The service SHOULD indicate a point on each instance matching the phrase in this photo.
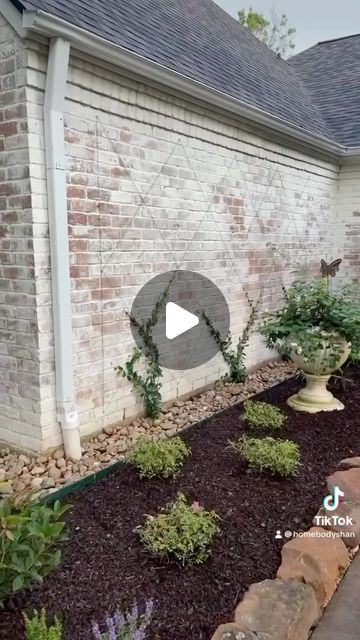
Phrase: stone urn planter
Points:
(315, 396)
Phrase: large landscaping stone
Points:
(349, 463)
(232, 632)
(278, 609)
(317, 561)
(344, 520)
(349, 482)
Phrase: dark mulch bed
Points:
(105, 565)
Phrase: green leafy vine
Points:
(148, 385)
(234, 357)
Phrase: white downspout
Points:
(54, 104)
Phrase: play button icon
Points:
(178, 320)
(175, 307)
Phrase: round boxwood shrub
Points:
(263, 414)
(158, 458)
(280, 457)
(180, 530)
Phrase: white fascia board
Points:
(351, 159)
(351, 155)
(13, 16)
(50, 26)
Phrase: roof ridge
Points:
(352, 35)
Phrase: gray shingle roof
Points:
(331, 72)
(198, 39)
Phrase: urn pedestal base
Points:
(315, 397)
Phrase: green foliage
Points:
(280, 457)
(314, 318)
(274, 31)
(234, 358)
(262, 414)
(352, 292)
(158, 458)
(36, 627)
(355, 353)
(181, 530)
(148, 386)
(28, 533)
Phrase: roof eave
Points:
(351, 155)
(50, 26)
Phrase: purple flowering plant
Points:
(129, 626)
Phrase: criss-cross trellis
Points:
(251, 206)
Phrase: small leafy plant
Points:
(29, 532)
(36, 627)
(234, 357)
(262, 414)
(280, 457)
(128, 626)
(181, 530)
(158, 458)
(148, 386)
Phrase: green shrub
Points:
(262, 414)
(180, 530)
(280, 457)
(36, 627)
(159, 458)
(28, 533)
(312, 317)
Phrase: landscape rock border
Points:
(290, 606)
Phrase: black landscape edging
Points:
(64, 491)
(61, 493)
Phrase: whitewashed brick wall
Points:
(156, 183)
(348, 219)
(21, 260)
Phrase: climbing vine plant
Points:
(235, 356)
(148, 384)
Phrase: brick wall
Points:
(156, 183)
(26, 353)
(348, 219)
(19, 363)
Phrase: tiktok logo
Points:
(331, 502)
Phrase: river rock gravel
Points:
(43, 473)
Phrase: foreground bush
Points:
(29, 532)
(160, 458)
(181, 530)
(36, 627)
(262, 414)
(131, 626)
(280, 457)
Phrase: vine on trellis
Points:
(235, 357)
(149, 384)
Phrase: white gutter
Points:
(96, 46)
(54, 103)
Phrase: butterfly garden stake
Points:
(331, 269)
